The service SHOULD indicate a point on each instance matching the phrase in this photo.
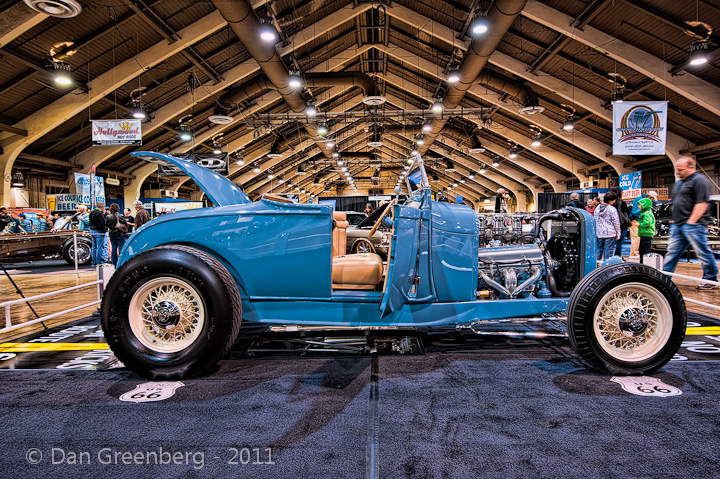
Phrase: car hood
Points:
(217, 188)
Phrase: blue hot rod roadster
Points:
(186, 281)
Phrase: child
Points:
(607, 223)
(646, 226)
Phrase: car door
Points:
(409, 276)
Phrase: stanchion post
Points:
(75, 249)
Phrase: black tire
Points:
(363, 246)
(84, 251)
(209, 306)
(648, 345)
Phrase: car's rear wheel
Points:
(171, 312)
(626, 319)
(363, 246)
(84, 252)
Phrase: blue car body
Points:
(280, 255)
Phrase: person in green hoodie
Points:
(646, 226)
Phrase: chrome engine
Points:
(548, 264)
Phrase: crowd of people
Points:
(106, 226)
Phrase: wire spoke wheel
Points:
(633, 322)
(626, 318)
(166, 315)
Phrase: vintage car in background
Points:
(22, 247)
(185, 282)
(358, 239)
(663, 219)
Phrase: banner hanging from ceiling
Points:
(218, 163)
(639, 127)
(116, 132)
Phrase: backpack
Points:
(625, 221)
(121, 224)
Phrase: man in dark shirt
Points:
(575, 201)
(130, 219)
(690, 199)
(141, 214)
(97, 233)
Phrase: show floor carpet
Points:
(465, 409)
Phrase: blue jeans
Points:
(619, 243)
(99, 247)
(116, 244)
(605, 246)
(683, 236)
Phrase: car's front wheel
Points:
(626, 319)
(171, 312)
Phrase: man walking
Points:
(98, 229)
(141, 214)
(690, 219)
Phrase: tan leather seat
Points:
(357, 271)
(339, 234)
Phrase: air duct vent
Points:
(220, 119)
(56, 8)
(374, 100)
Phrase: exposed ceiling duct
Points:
(516, 90)
(359, 79)
(500, 17)
(242, 19)
(227, 102)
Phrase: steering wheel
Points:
(375, 227)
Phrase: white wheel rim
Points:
(633, 322)
(166, 315)
(364, 247)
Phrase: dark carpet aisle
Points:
(483, 408)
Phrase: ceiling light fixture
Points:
(185, 133)
(414, 152)
(453, 75)
(138, 110)
(267, 31)
(335, 154)
(513, 153)
(420, 140)
(239, 159)
(479, 25)
(294, 80)
(618, 95)
(63, 73)
(330, 144)
(536, 141)
(471, 175)
(340, 162)
(217, 149)
(270, 175)
(18, 180)
(322, 129)
(495, 163)
(310, 109)
(476, 146)
(256, 169)
(482, 170)
(569, 123)
(437, 106)
(426, 128)
(699, 53)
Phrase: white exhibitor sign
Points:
(162, 208)
(639, 127)
(116, 132)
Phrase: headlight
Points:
(385, 238)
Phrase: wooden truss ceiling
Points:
(184, 56)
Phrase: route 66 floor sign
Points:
(646, 386)
(154, 391)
